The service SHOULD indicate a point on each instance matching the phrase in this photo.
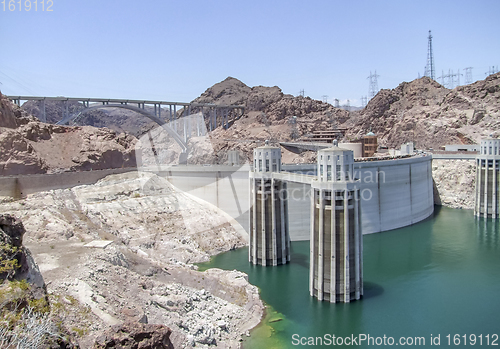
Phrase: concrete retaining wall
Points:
(22, 185)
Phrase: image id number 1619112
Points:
(27, 5)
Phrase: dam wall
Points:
(394, 193)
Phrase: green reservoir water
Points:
(436, 278)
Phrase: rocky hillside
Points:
(268, 112)
(29, 146)
(122, 250)
(422, 111)
(425, 112)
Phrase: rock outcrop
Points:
(11, 240)
(268, 113)
(135, 335)
(12, 116)
(454, 183)
(32, 147)
(432, 116)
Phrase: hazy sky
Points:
(175, 50)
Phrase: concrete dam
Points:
(393, 193)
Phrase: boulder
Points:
(130, 335)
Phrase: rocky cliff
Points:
(268, 112)
(454, 183)
(30, 147)
(122, 250)
(425, 112)
(422, 111)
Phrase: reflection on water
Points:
(440, 276)
(487, 233)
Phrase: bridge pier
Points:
(269, 233)
(175, 118)
(44, 114)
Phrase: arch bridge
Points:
(180, 126)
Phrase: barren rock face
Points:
(421, 111)
(11, 116)
(11, 238)
(267, 114)
(425, 112)
(135, 335)
(454, 183)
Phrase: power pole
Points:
(301, 93)
(468, 75)
(373, 84)
(325, 98)
(429, 68)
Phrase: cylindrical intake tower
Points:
(488, 179)
(336, 245)
(269, 236)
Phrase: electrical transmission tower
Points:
(301, 93)
(364, 101)
(454, 82)
(373, 85)
(347, 105)
(468, 75)
(325, 98)
(429, 68)
(447, 80)
(337, 103)
(492, 70)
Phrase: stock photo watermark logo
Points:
(366, 181)
(27, 5)
(183, 156)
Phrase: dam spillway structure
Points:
(269, 231)
(487, 179)
(336, 242)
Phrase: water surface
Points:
(436, 278)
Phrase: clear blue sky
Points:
(174, 50)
